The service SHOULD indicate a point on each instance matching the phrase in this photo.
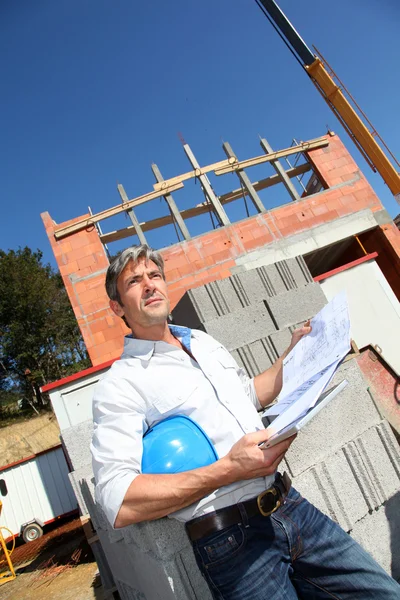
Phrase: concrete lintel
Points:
(307, 241)
(382, 217)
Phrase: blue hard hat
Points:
(176, 444)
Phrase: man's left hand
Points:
(300, 333)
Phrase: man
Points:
(253, 536)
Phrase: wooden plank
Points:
(244, 178)
(131, 214)
(258, 160)
(207, 188)
(203, 208)
(231, 164)
(191, 174)
(62, 231)
(171, 185)
(172, 204)
(265, 183)
(280, 170)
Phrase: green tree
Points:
(39, 337)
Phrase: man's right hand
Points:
(247, 460)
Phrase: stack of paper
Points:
(310, 366)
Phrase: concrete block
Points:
(293, 272)
(76, 441)
(357, 479)
(140, 574)
(280, 340)
(83, 481)
(219, 298)
(296, 305)
(379, 534)
(77, 491)
(256, 357)
(380, 454)
(199, 305)
(106, 575)
(334, 488)
(261, 354)
(345, 418)
(162, 539)
(99, 519)
(228, 295)
(241, 327)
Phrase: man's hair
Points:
(119, 263)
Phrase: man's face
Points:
(143, 294)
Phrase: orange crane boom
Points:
(357, 125)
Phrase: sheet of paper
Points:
(302, 399)
(328, 342)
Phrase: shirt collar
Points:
(144, 349)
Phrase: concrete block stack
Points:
(253, 306)
(346, 461)
(148, 560)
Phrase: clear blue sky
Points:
(93, 91)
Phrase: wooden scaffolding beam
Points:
(203, 208)
(230, 165)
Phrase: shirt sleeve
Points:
(119, 425)
(249, 387)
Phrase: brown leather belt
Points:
(264, 504)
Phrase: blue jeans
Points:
(297, 552)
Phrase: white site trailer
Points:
(35, 491)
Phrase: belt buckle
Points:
(272, 491)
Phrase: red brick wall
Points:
(83, 263)
(82, 260)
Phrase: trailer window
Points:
(3, 487)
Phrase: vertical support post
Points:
(172, 205)
(280, 171)
(132, 216)
(207, 188)
(245, 180)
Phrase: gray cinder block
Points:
(346, 417)
(280, 340)
(76, 441)
(77, 491)
(242, 327)
(225, 296)
(138, 573)
(256, 357)
(261, 354)
(296, 305)
(379, 534)
(161, 539)
(106, 575)
(380, 454)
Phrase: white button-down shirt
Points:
(155, 380)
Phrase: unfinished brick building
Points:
(249, 283)
(335, 219)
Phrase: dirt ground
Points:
(58, 566)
